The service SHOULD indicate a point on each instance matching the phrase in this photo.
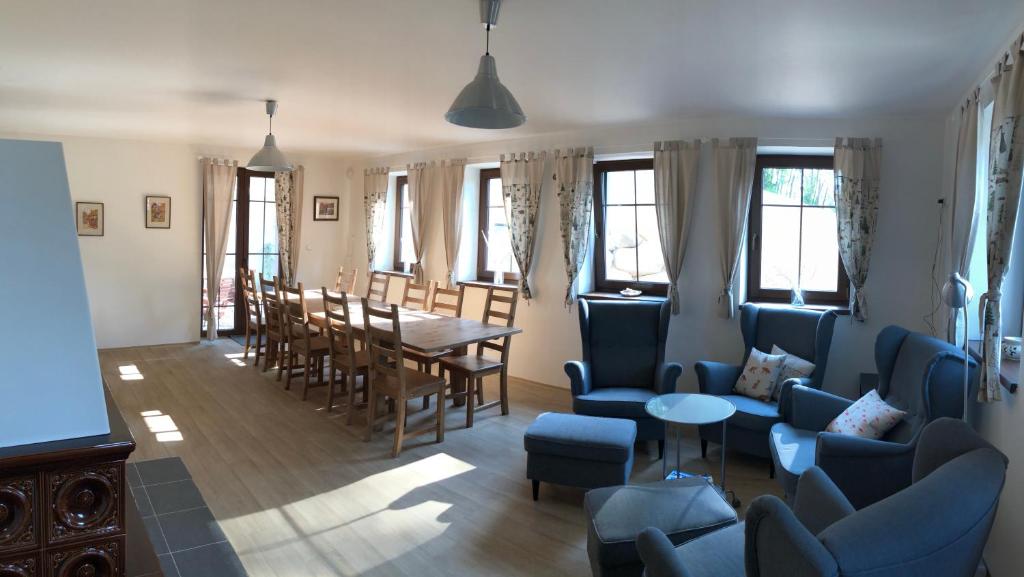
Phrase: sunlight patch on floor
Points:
(130, 373)
(238, 359)
(161, 425)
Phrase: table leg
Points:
(679, 457)
(735, 501)
(664, 455)
(458, 382)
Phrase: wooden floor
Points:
(299, 493)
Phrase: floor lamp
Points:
(957, 293)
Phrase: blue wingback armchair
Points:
(918, 374)
(937, 526)
(623, 362)
(802, 332)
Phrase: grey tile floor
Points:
(185, 535)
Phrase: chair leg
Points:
(503, 385)
(703, 449)
(661, 449)
(308, 366)
(371, 413)
(480, 391)
(440, 415)
(352, 399)
(290, 359)
(536, 489)
(330, 388)
(399, 428)
(259, 345)
(470, 395)
(245, 355)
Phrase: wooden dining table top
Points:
(422, 331)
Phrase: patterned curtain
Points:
(375, 198)
(675, 187)
(288, 190)
(453, 173)
(421, 178)
(1006, 163)
(522, 178)
(735, 162)
(858, 165)
(218, 182)
(574, 181)
(964, 218)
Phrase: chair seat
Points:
(416, 384)
(472, 364)
(620, 402)
(753, 414)
(581, 437)
(362, 359)
(317, 345)
(793, 451)
(717, 554)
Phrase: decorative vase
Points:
(1011, 348)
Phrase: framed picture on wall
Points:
(325, 207)
(89, 218)
(158, 212)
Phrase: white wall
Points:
(144, 284)
(898, 285)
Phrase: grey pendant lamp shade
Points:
(270, 158)
(485, 102)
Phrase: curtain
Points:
(964, 218)
(858, 164)
(218, 185)
(735, 162)
(522, 178)
(675, 185)
(420, 185)
(1006, 160)
(288, 200)
(574, 181)
(452, 174)
(375, 198)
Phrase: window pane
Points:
(650, 261)
(619, 187)
(231, 230)
(407, 254)
(645, 187)
(780, 247)
(269, 230)
(819, 188)
(256, 267)
(819, 260)
(270, 190)
(406, 202)
(780, 186)
(226, 288)
(256, 186)
(270, 269)
(500, 246)
(494, 192)
(256, 226)
(620, 243)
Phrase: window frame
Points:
(601, 284)
(396, 260)
(483, 223)
(754, 291)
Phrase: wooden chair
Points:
(389, 377)
(343, 354)
(416, 296)
(302, 340)
(450, 303)
(273, 312)
(475, 367)
(254, 324)
(378, 287)
(346, 281)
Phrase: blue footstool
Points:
(579, 451)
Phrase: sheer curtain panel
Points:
(964, 217)
(521, 182)
(421, 177)
(218, 186)
(288, 200)
(574, 181)
(675, 186)
(375, 199)
(858, 166)
(735, 162)
(453, 173)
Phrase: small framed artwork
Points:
(89, 218)
(158, 212)
(325, 207)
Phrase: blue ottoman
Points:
(579, 451)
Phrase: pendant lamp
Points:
(270, 158)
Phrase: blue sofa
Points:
(936, 527)
(623, 363)
(806, 333)
(916, 373)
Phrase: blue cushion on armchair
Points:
(622, 402)
(753, 414)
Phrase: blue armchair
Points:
(802, 332)
(937, 526)
(623, 363)
(917, 374)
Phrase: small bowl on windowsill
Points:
(630, 292)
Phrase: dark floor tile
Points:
(142, 502)
(156, 535)
(134, 480)
(189, 529)
(162, 470)
(174, 497)
(167, 566)
(218, 560)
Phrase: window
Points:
(794, 240)
(495, 252)
(628, 248)
(405, 255)
(254, 213)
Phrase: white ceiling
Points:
(376, 76)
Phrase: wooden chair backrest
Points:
(451, 302)
(272, 307)
(249, 295)
(341, 337)
(497, 300)
(346, 281)
(384, 342)
(378, 288)
(293, 305)
(416, 296)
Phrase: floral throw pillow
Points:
(793, 368)
(870, 417)
(759, 375)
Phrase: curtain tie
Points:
(728, 296)
(673, 297)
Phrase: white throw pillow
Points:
(759, 375)
(793, 368)
(870, 417)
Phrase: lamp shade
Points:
(957, 291)
(485, 102)
(270, 158)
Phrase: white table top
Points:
(690, 408)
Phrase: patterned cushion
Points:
(793, 368)
(759, 375)
(870, 417)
